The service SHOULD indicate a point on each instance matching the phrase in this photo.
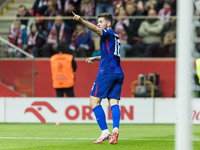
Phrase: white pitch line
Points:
(39, 138)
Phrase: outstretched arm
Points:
(89, 25)
(91, 60)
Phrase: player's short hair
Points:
(107, 16)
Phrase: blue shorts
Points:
(108, 85)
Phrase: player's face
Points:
(102, 23)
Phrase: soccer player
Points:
(110, 76)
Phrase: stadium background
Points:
(29, 79)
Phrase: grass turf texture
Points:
(81, 137)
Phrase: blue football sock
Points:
(100, 117)
(116, 113)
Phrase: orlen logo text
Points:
(40, 105)
(86, 112)
(73, 112)
(196, 115)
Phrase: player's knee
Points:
(94, 101)
(93, 104)
(113, 102)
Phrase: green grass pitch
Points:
(81, 137)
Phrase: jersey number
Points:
(117, 47)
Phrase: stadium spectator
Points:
(17, 36)
(160, 4)
(81, 42)
(71, 24)
(39, 8)
(52, 11)
(87, 7)
(36, 40)
(72, 7)
(58, 33)
(23, 12)
(150, 4)
(119, 26)
(169, 39)
(150, 32)
(63, 5)
(63, 67)
(138, 3)
(165, 13)
(131, 29)
(117, 4)
(104, 6)
(52, 8)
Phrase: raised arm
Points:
(89, 25)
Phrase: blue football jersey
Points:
(110, 52)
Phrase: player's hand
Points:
(90, 60)
(76, 17)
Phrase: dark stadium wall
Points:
(19, 74)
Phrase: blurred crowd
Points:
(147, 28)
